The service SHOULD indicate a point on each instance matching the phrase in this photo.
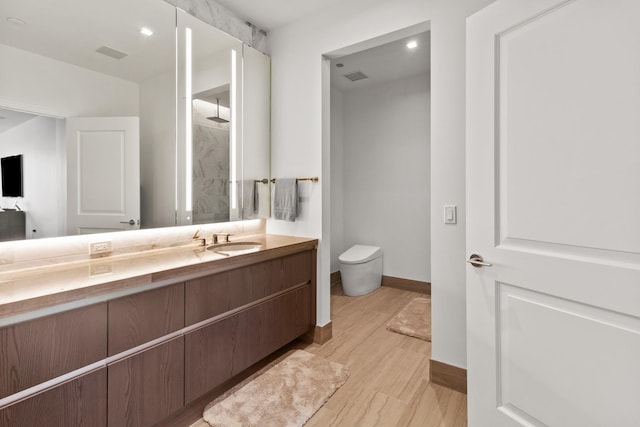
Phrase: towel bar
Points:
(309, 178)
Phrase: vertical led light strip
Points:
(232, 133)
(188, 125)
(176, 126)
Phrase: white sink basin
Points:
(235, 248)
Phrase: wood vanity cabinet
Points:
(147, 387)
(212, 295)
(139, 318)
(155, 351)
(38, 350)
(80, 402)
(217, 352)
(240, 340)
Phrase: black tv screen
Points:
(11, 176)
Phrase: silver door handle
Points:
(130, 222)
(477, 261)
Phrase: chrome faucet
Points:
(201, 240)
(220, 238)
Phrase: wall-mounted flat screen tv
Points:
(11, 168)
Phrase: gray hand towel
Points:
(285, 199)
(249, 199)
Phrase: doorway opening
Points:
(379, 152)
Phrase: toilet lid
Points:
(360, 253)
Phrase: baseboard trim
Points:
(336, 278)
(322, 334)
(407, 284)
(448, 376)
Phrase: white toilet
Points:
(361, 269)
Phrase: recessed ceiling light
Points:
(146, 32)
(16, 21)
(412, 44)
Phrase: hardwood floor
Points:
(389, 383)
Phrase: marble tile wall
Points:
(210, 174)
(224, 19)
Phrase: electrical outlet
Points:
(96, 270)
(98, 248)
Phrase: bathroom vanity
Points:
(147, 334)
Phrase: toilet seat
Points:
(359, 254)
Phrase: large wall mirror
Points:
(128, 115)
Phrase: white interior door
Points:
(103, 174)
(553, 198)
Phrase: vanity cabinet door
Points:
(239, 341)
(41, 349)
(139, 318)
(81, 402)
(147, 387)
(210, 296)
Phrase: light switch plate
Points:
(450, 214)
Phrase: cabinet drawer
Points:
(219, 351)
(39, 350)
(216, 294)
(296, 269)
(139, 318)
(147, 387)
(81, 402)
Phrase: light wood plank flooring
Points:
(389, 383)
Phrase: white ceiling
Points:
(12, 118)
(72, 30)
(382, 63)
(390, 61)
(271, 14)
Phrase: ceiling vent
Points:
(358, 75)
(110, 52)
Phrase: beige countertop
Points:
(24, 291)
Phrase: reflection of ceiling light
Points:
(412, 44)
(16, 21)
(146, 32)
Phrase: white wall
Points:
(39, 84)
(214, 71)
(337, 177)
(300, 96)
(386, 174)
(36, 140)
(158, 151)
